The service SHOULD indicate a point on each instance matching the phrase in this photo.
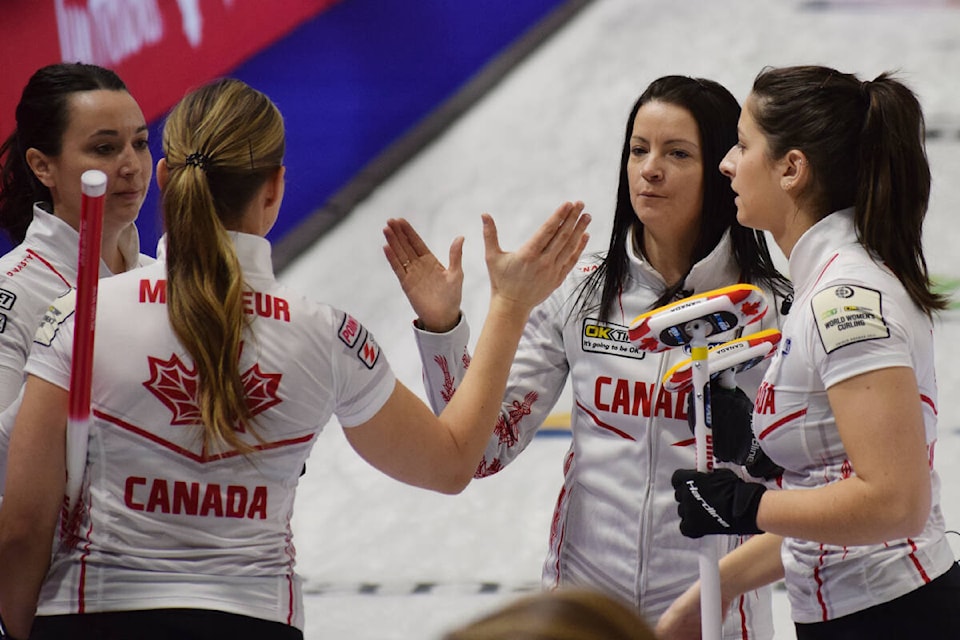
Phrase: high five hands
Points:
(524, 277)
(434, 292)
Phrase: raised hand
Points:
(528, 275)
(433, 291)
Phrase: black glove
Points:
(715, 502)
(730, 415)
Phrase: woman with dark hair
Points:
(835, 169)
(675, 234)
(211, 382)
(712, 109)
(70, 118)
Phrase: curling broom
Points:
(93, 188)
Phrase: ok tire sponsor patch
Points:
(846, 314)
(608, 338)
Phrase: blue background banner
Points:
(355, 79)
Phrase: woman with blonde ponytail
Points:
(835, 169)
(211, 382)
(210, 177)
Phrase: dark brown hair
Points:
(716, 113)
(865, 145)
(42, 118)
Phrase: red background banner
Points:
(161, 48)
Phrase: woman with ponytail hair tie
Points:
(211, 382)
(835, 169)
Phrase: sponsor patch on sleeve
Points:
(369, 351)
(55, 315)
(350, 330)
(846, 314)
(352, 333)
(7, 298)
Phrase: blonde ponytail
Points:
(222, 143)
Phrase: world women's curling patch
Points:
(55, 315)
(846, 314)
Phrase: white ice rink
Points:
(382, 561)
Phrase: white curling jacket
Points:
(32, 274)
(166, 522)
(615, 526)
(850, 316)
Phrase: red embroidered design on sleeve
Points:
(846, 469)
(506, 428)
(448, 389)
(484, 469)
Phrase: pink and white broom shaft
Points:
(94, 187)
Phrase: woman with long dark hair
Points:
(674, 234)
(835, 169)
(71, 117)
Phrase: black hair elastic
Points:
(198, 160)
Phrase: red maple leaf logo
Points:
(260, 389)
(750, 309)
(175, 386)
(649, 344)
